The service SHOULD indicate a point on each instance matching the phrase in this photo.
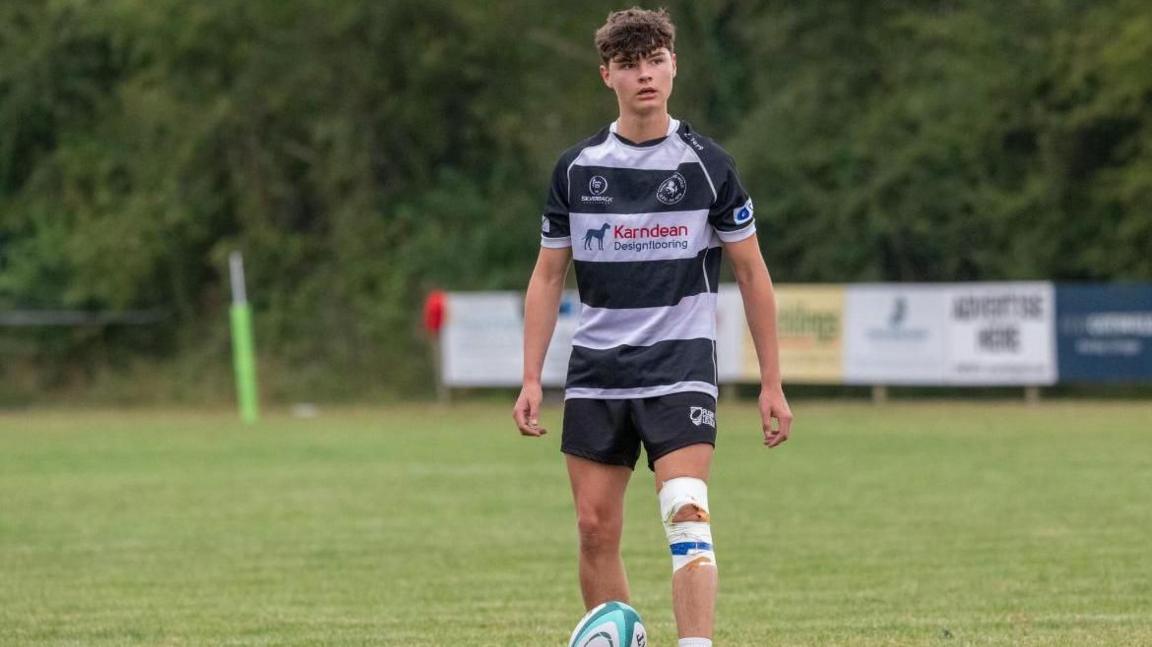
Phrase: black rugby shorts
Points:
(611, 431)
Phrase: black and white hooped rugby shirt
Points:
(645, 224)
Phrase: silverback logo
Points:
(673, 189)
(701, 416)
(597, 185)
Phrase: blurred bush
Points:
(360, 154)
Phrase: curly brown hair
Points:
(635, 32)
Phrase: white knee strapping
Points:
(690, 541)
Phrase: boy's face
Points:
(643, 84)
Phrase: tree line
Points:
(362, 153)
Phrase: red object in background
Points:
(434, 311)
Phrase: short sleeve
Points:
(731, 215)
(554, 223)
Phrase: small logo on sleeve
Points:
(545, 226)
(742, 214)
(701, 416)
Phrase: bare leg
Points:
(694, 586)
(598, 491)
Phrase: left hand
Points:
(526, 412)
(774, 406)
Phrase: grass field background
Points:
(902, 524)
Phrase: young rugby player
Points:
(644, 208)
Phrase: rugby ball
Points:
(612, 624)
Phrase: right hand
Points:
(526, 413)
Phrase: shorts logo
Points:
(701, 416)
(597, 185)
(743, 213)
(673, 189)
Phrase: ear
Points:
(672, 57)
(606, 76)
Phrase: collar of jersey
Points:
(673, 125)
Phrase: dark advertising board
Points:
(1104, 332)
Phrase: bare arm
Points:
(540, 307)
(760, 309)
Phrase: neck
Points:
(642, 128)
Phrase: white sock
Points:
(695, 642)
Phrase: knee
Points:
(684, 509)
(598, 532)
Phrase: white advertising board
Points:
(730, 324)
(481, 339)
(555, 371)
(483, 336)
(1001, 333)
(931, 334)
(896, 334)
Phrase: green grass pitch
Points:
(901, 524)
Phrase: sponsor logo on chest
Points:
(655, 231)
(637, 239)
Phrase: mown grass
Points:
(904, 524)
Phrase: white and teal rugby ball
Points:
(612, 624)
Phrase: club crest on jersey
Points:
(701, 416)
(597, 185)
(673, 189)
(743, 213)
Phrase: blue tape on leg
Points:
(683, 547)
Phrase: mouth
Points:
(647, 93)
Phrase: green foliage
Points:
(362, 153)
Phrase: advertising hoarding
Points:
(1001, 333)
(809, 323)
(930, 334)
(896, 334)
(1104, 332)
(483, 336)
(730, 327)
